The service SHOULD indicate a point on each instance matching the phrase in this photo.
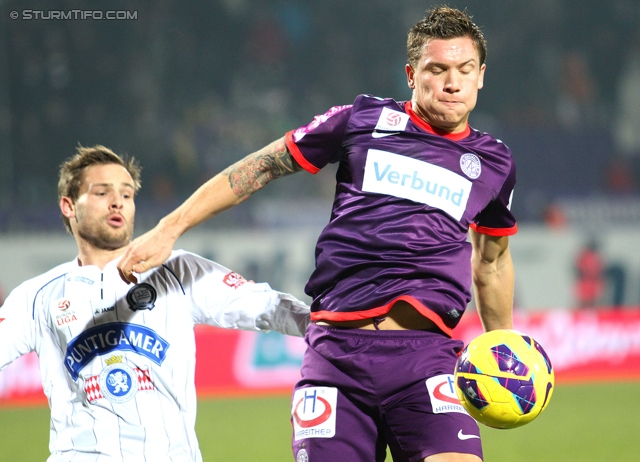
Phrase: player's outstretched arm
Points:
(225, 190)
(493, 279)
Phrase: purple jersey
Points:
(405, 199)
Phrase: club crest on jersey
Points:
(113, 382)
(470, 165)
(118, 383)
(141, 297)
(391, 120)
(314, 412)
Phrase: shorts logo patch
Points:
(463, 437)
(302, 456)
(443, 394)
(314, 412)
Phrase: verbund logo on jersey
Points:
(105, 338)
(401, 176)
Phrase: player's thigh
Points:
(331, 426)
(455, 437)
(420, 423)
(452, 457)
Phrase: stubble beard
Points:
(106, 238)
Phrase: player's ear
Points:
(67, 207)
(410, 76)
(481, 76)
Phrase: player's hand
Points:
(146, 252)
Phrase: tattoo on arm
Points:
(256, 170)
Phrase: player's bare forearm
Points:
(232, 186)
(493, 280)
(225, 190)
(256, 170)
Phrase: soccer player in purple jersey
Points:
(421, 214)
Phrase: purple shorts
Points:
(364, 390)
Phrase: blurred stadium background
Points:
(188, 88)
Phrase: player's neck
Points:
(422, 120)
(90, 255)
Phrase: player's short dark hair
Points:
(443, 22)
(72, 169)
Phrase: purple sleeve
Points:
(315, 145)
(496, 219)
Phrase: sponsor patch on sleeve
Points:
(234, 280)
(317, 121)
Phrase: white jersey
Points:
(117, 361)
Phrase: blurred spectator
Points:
(554, 217)
(616, 276)
(577, 102)
(147, 85)
(626, 126)
(619, 177)
(590, 278)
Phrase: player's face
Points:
(445, 82)
(104, 212)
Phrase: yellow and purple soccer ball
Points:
(504, 378)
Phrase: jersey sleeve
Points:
(17, 326)
(223, 298)
(496, 218)
(319, 143)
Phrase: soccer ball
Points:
(504, 379)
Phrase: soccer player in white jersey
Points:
(118, 360)
(421, 214)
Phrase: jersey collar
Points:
(415, 118)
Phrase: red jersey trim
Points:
(494, 231)
(381, 311)
(415, 118)
(297, 154)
